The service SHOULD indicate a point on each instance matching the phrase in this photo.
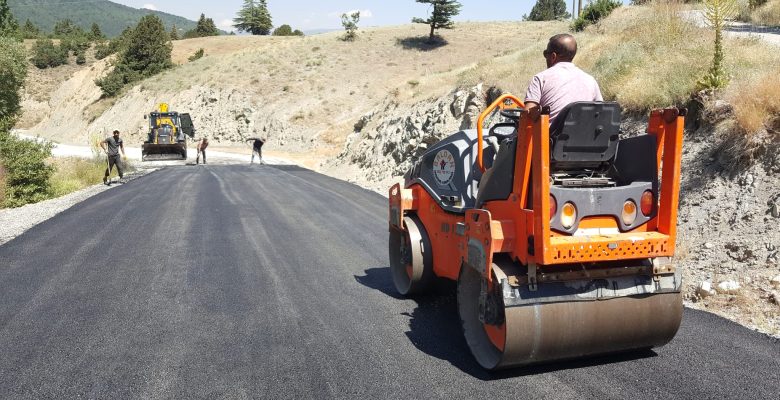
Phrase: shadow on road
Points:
(288, 168)
(434, 328)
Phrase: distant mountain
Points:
(112, 18)
(319, 31)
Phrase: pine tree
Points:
(65, 28)
(29, 30)
(254, 18)
(441, 15)
(206, 27)
(174, 32)
(548, 10)
(8, 24)
(146, 51)
(95, 32)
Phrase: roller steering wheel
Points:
(512, 113)
(504, 130)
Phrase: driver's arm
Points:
(533, 95)
(103, 146)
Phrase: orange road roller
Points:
(560, 237)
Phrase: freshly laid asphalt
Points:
(273, 282)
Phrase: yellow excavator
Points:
(167, 137)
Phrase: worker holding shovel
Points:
(112, 145)
(257, 148)
(201, 147)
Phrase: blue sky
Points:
(318, 14)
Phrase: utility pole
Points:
(579, 8)
(573, 5)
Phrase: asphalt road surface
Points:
(273, 282)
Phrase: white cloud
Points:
(150, 6)
(363, 13)
(225, 25)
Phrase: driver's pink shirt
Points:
(561, 85)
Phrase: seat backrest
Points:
(585, 135)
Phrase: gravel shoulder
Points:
(16, 221)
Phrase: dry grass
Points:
(74, 174)
(768, 14)
(756, 100)
(646, 57)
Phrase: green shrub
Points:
(81, 59)
(350, 23)
(594, 12)
(198, 55)
(27, 173)
(115, 45)
(46, 54)
(111, 84)
(102, 51)
(13, 71)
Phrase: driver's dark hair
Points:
(564, 45)
(115, 132)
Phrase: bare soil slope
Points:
(303, 94)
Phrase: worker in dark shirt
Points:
(112, 146)
(257, 148)
(201, 147)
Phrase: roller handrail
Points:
(496, 104)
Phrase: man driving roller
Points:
(562, 83)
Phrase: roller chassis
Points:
(594, 290)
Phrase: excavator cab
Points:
(167, 137)
(560, 237)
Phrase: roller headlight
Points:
(568, 215)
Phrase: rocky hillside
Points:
(303, 94)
